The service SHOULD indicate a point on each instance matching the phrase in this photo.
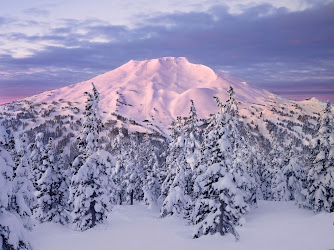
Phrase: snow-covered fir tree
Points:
(11, 148)
(46, 191)
(266, 176)
(221, 204)
(90, 184)
(288, 175)
(151, 186)
(173, 153)
(243, 158)
(222, 188)
(294, 171)
(23, 199)
(92, 124)
(320, 178)
(133, 172)
(262, 172)
(37, 156)
(253, 155)
(88, 141)
(64, 179)
(90, 191)
(273, 182)
(119, 192)
(192, 146)
(178, 200)
(278, 187)
(53, 190)
(13, 235)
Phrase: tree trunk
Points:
(93, 212)
(221, 224)
(120, 198)
(131, 197)
(224, 225)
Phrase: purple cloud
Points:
(286, 52)
(36, 12)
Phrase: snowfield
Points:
(273, 225)
(81, 153)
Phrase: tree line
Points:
(212, 173)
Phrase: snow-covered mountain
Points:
(152, 93)
(157, 91)
(158, 88)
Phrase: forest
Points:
(210, 172)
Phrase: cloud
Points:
(300, 90)
(5, 21)
(273, 47)
(36, 12)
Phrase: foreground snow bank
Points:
(273, 225)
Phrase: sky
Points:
(286, 46)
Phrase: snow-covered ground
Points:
(273, 225)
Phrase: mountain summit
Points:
(159, 88)
(155, 92)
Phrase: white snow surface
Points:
(154, 92)
(159, 88)
(273, 225)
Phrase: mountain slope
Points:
(159, 88)
(152, 93)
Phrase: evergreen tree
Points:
(37, 156)
(11, 148)
(90, 191)
(294, 173)
(192, 147)
(92, 124)
(87, 141)
(221, 203)
(273, 182)
(266, 176)
(262, 172)
(151, 187)
(23, 200)
(221, 189)
(90, 184)
(178, 200)
(119, 171)
(133, 172)
(174, 150)
(243, 161)
(13, 235)
(278, 187)
(287, 181)
(64, 179)
(320, 179)
(52, 197)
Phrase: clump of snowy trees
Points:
(16, 199)
(319, 188)
(218, 171)
(210, 180)
(210, 172)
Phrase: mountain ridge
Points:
(153, 93)
(158, 87)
